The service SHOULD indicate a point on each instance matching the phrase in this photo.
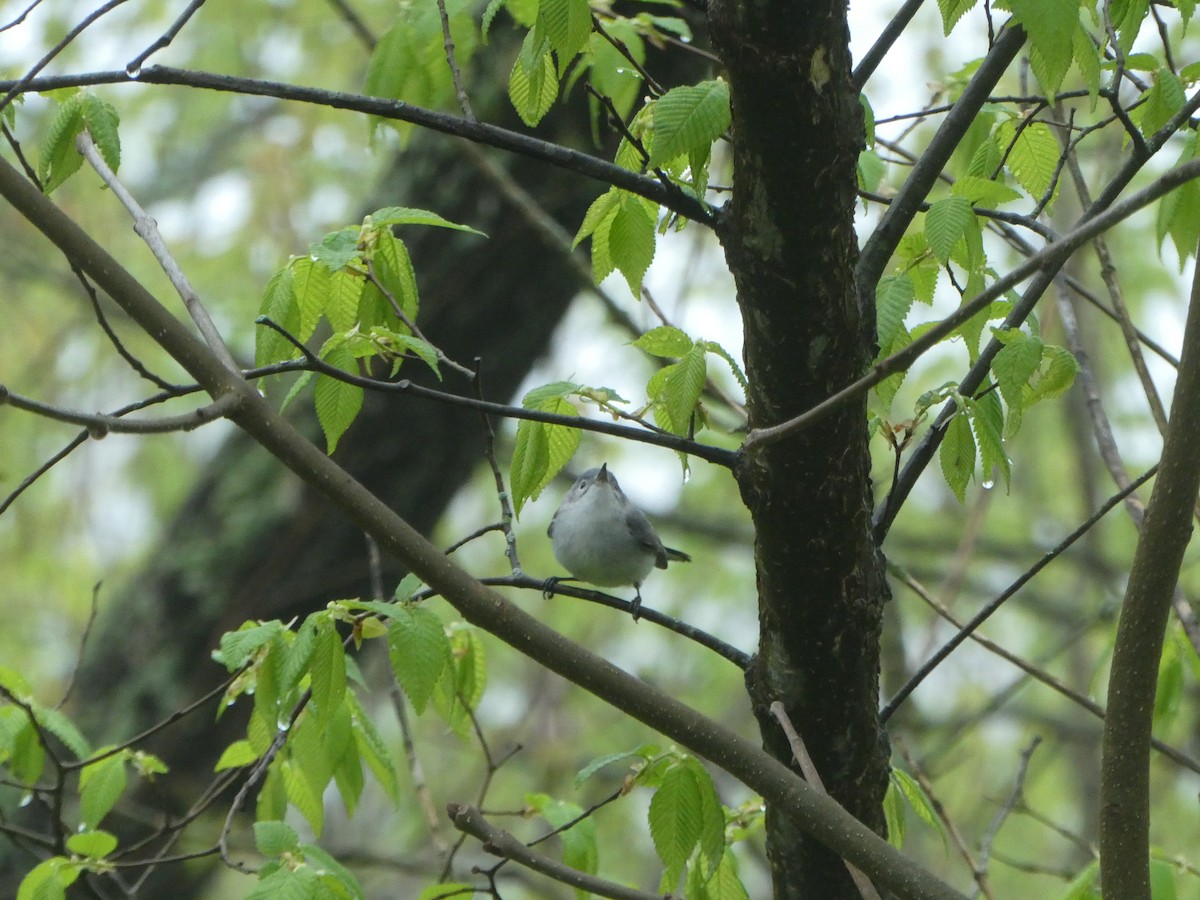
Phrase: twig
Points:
(83, 642)
(470, 821)
(448, 43)
(1033, 671)
(502, 496)
(1015, 797)
(134, 66)
(979, 618)
(98, 424)
(147, 229)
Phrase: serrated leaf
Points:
(1015, 364)
(328, 673)
(1168, 693)
(1033, 157)
(336, 879)
(738, 374)
(101, 785)
(894, 297)
(337, 402)
(236, 755)
(102, 120)
(952, 11)
(567, 23)
(1087, 62)
(917, 799)
(1051, 26)
(1161, 101)
(345, 288)
(1127, 19)
(60, 159)
(957, 455)
(92, 844)
(419, 652)
(675, 390)
(303, 794)
(983, 191)
(273, 838)
(49, 879)
(1055, 376)
(310, 284)
(59, 724)
(945, 224)
(406, 215)
(631, 239)
(338, 249)
(688, 119)
(533, 82)
(603, 207)
(665, 340)
(278, 305)
(640, 753)
(542, 449)
(987, 420)
(712, 815)
(394, 270)
(580, 849)
(676, 822)
(870, 170)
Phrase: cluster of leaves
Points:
(77, 110)
(673, 396)
(310, 729)
(25, 728)
(360, 281)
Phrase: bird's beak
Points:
(603, 476)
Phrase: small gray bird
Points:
(603, 539)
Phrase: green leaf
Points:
(60, 159)
(714, 347)
(1161, 101)
(603, 207)
(1168, 694)
(1081, 886)
(302, 792)
(1162, 880)
(1055, 375)
(676, 819)
(405, 215)
(92, 844)
(236, 755)
(1051, 26)
(688, 119)
(49, 879)
(533, 82)
(893, 814)
(311, 286)
(674, 391)
(337, 402)
(273, 838)
(945, 224)
(394, 270)
(1127, 17)
(952, 11)
(712, 815)
(983, 191)
(665, 341)
(328, 672)
(1016, 362)
(893, 299)
(419, 652)
(567, 23)
(631, 239)
(643, 753)
(1033, 157)
(462, 683)
(987, 419)
(912, 791)
(1087, 61)
(101, 785)
(279, 305)
(338, 249)
(580, 849)
(58, 724)
(957, 455)
(336, 879)
(102, 120)
(345, 288)
(542, 449)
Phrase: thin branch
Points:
(982, 616)
(887, 38)
(83, 642)
(1015, 797)
(134, 66)
(460, 91)
(669, 196)
(1033, 671)
(98, 424)
(147, 229)
(311, 362)
(498, 842)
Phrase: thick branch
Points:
(1125, 766)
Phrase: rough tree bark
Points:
(789, 240)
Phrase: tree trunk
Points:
(789, 240)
